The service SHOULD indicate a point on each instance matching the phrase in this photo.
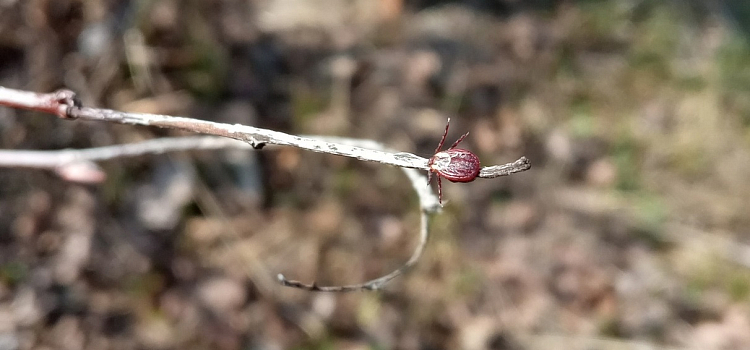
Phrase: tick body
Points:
(454, 164)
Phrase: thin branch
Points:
(78, 165)
(56, 158)
(58, 103)
(429, 205)
(490, 172)
(64, 104)
(424, 234)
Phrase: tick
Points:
(454, 164)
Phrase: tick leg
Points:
(444, 135)
(459, 140)
(429, 177)
(440, 190)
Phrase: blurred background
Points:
(629, 232)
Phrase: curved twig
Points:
(428, 204)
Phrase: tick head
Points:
(439, 161)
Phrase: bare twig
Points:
(58, 103)
(57, 158)
(490, 172)
(78, 164)
(64, 104)
(429, 205)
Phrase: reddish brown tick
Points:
(454, 164)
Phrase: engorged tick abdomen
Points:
(457, 165)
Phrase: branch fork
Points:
(65, 104)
